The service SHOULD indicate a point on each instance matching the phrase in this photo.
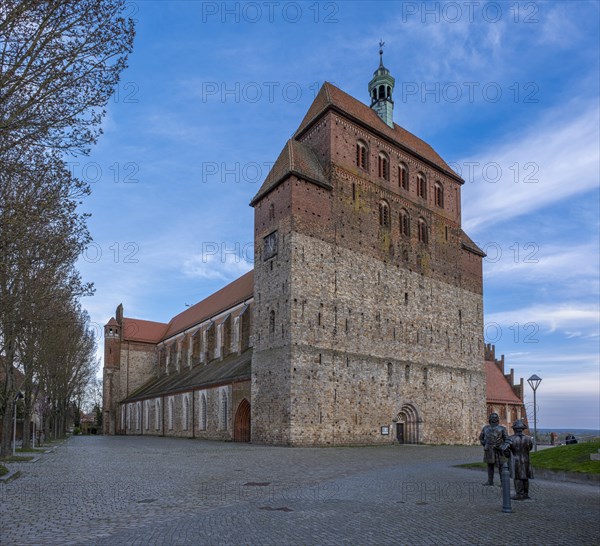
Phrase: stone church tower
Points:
(368, 294)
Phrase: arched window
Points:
(272, 322)
(384, 214)
(403, 176)
(362, 155)
(157, 413)
(404, 223)
(223, 410)
(138, 416)
(186, 412)
(422, 186)
(202, 420)
(439, 194)
(423, 234)
(384, 166)
(147, 414)
(382, 91)
(171, 412)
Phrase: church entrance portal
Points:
(408, 425)
(241, 429)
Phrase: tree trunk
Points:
(27, 411)
(7, 431)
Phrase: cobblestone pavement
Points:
(146, 490)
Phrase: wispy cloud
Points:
(562, 316)
(554, 159)
(209, 265)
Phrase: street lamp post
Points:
(534, 382)
(18, 396)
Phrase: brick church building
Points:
(361, 323)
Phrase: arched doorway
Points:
(241, 427)
(407, 425)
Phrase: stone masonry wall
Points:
(185, 415)
(354, 334)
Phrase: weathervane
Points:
(381, 44)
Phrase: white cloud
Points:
(532, 262)
(559, 155)
(569, 316)
(209, 265)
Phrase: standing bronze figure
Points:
(492, 437)
(518, 447)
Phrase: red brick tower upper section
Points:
(113, 334)
(349, 178)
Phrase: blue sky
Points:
(507, 94)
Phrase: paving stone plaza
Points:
(150, 490)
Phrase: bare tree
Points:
(59, 63)
(41, 236)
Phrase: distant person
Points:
(553, 437)
(517, 448)
(492, 437)
(570, 439)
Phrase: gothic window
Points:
(422, 186)
(361, 155)
(203, 417)
(223, 402)
(404, 223)
(157, 413)
(439, 194)
(171, 412)
(384, 214)
(423, 234)
(147, 414)
(138, 416)
(384, 166)
(186, 412)
(403, 176)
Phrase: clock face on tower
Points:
(270, 246)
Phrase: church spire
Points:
(380, 91)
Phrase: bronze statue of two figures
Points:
(497, 445)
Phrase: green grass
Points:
(3, 470)
(16, 459)
(27, 450)
(571, 458)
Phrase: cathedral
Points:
(361, 323)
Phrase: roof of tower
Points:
(112, 322)
(498, 388)
(332, 98)
(234, 293)
(295, 159)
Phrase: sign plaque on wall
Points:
(385, 431)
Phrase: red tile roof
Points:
(498, 388)
(147, 331)
(330, 97)
(297, 159)
(236, 292)
(142, 330)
